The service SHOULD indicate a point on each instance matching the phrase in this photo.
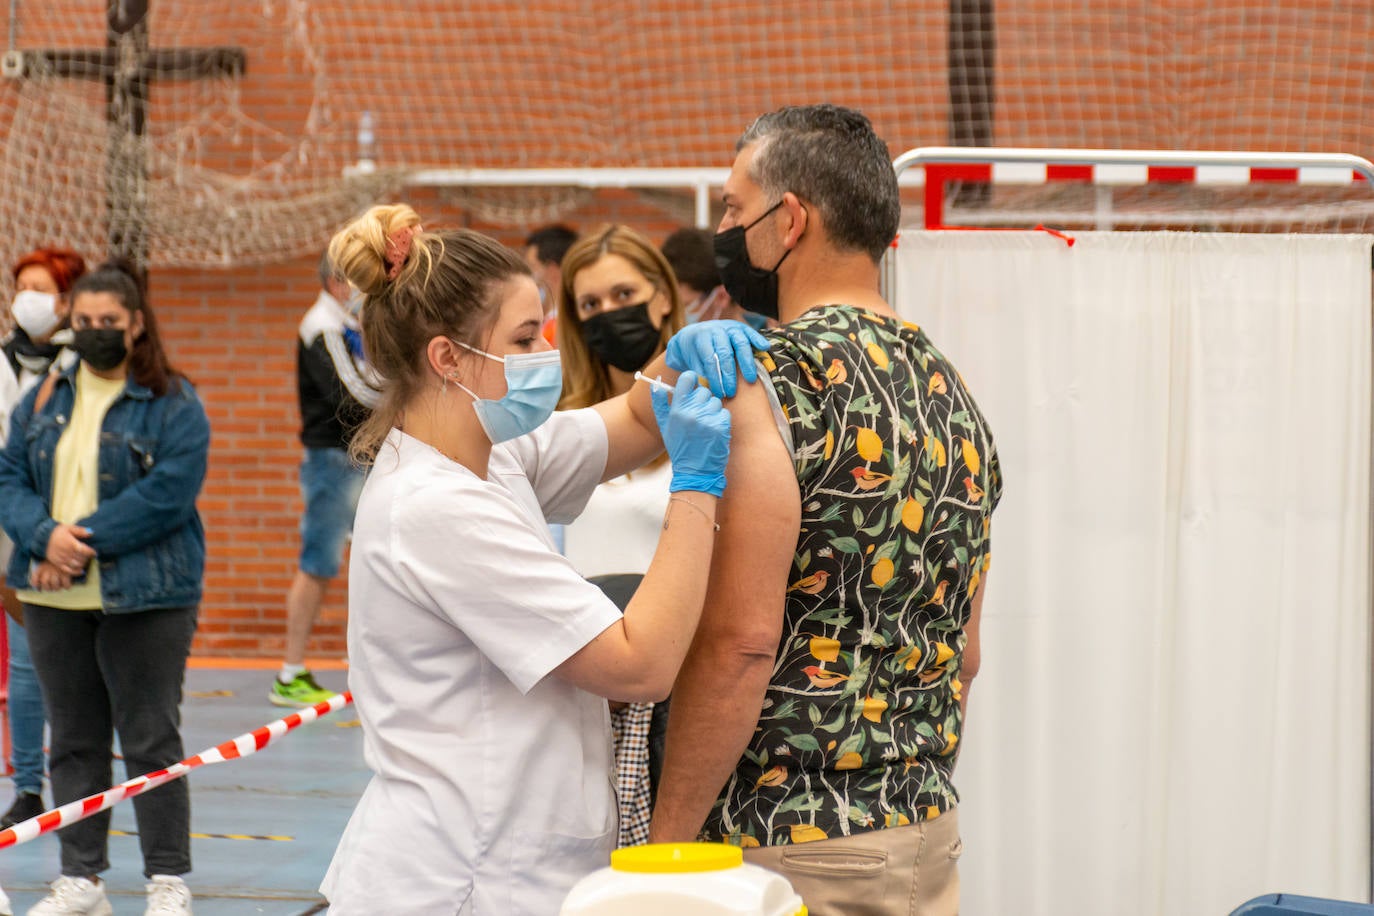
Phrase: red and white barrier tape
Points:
(242, 746)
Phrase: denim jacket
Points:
(145, 530)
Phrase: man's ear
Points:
(799, 219)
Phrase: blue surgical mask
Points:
(534, 384)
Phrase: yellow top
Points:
(677, 858)
(76, 481)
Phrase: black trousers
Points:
(105, 673)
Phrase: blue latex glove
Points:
(714, 350)
(696, 432)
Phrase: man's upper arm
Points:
(722, 685)
(759, 516)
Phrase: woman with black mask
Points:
(618, 306)
(98, 486)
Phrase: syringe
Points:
(658, 383)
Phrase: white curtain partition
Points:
(1173, 711)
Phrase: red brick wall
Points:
(233, 333)
(496, 83)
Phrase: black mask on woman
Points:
(625, 338)
(101, 348)
(752, 287)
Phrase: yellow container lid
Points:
(677, 858)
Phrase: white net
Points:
(249, 167)
(216, 175)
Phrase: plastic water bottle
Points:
(367, 143)
(682, 879)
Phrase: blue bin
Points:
(1293, 905)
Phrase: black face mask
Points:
(752, 287)
(101, 348)
(624, 338)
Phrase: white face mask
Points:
(35, 312)
(356, 298)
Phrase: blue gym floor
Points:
(263, 827)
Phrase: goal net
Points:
(257, 166)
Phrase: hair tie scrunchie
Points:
(398, 249)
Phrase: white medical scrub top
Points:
(492, 790)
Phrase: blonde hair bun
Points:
(358, 250)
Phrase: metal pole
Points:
(971, 46)
(703, 201)
(952, 155)
(126, 101)
(1103, 212)
(570, 178)
(1331, 168)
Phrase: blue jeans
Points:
(106, 673)
(26, 714)
(330, 485)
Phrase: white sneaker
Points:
(73, 897)
(168, 896)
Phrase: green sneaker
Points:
(302, 692)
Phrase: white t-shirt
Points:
(618, 531)
(492, 789)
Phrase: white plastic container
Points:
(682, 879)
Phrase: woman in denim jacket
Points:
(98, 486)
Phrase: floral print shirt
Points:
(899, 477)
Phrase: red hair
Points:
(62, 264)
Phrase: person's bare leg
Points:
(303, 602)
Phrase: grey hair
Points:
(327, 271)
(831, 158)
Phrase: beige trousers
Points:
(900, 871)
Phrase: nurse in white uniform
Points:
(480, 662)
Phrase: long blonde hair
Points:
(445, 287)
(586, 380)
